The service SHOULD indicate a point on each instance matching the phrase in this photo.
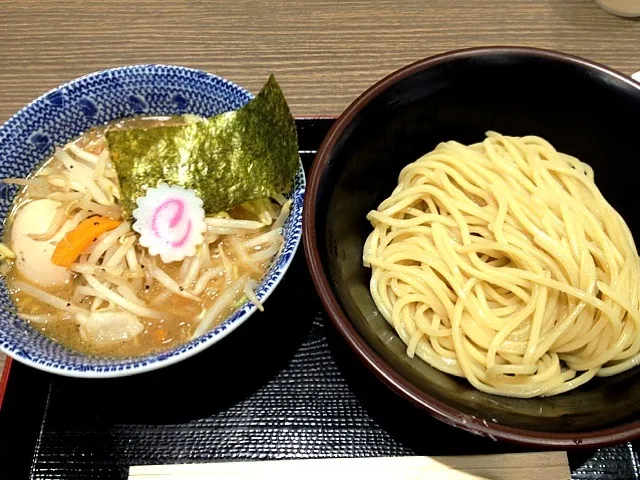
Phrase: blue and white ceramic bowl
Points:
(64, 113)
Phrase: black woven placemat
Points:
(282, 386)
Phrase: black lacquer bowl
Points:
(582, 108)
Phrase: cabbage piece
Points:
(107, 328)
(229, 159)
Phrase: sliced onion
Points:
(222, 303)
(84, 175)
(48, 298)
(122, 302)
(107, 241)
(193, 272)
(92, 158)
(127, 293)
(169, 283)
(43, 318)
(57, 222)
(266, 254)
(205, 278)
(284, 214)
(249, 291)
(266, 237)
(244, 257)
(233, 223)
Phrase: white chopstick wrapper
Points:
(636, 76)
(513, 466)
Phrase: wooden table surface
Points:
(324, 53)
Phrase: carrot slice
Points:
(76, 240)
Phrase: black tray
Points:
(282, 386)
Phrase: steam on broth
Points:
(116, 299)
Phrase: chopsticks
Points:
(513, 466)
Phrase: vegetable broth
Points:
(179, 315)
(175, 329)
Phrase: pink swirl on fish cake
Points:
(175, 220)
(170, 221)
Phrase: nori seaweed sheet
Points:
(234, 157)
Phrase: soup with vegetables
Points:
(146, 233)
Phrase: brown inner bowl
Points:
(582, 108)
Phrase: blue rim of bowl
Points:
(135, 365)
